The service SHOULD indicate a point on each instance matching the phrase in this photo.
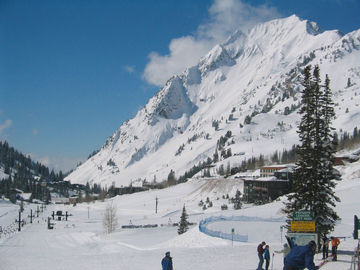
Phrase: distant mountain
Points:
(246, 89)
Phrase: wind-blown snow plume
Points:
(225, 17)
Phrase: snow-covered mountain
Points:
(254, 76)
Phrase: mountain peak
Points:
(249, 87)
(172, 101)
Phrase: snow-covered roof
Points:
(59, 200)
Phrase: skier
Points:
(166, 262)
(267, 257)
(335, 242)
(301, 257)
(325, 247)
(260, 250)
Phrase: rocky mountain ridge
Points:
(250, 86)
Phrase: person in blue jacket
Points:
(301, 257)
(166, 262)
(267, 257)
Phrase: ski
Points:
(325, 261)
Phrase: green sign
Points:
(233, 230)
(303, 216)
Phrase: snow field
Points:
(80, 241)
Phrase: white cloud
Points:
(129, 69)
(4, 126)
(184, 52)
(226, 16)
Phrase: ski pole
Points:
(272, 261)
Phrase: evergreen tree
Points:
(171, 178)
(221, 170)
(237, 200)
(228, 169)
(183, 225)
(314, 177)
(215, 157)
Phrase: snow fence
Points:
(230, 236)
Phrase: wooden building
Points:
(265, 189)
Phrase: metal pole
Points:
(232, 236)
(156, 204)
(19, 221)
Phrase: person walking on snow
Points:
(166, 262)
(260, 250)
(335, 242)
(301, 257)
(267, 257)
(325, 247)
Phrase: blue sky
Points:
(71, 72)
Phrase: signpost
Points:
(356, 227)
(232, 236)
(303, 216)
(31, 216)
(303, 221)
(281, 232)
(303, 226)
(302, 238)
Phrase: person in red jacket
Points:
(260, 250)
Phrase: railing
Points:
(230, 236)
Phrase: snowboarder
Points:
(267, 257)
(335, 242)
(166, 262)
(301, 257)
(260, 250)
(325, 247)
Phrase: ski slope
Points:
(80, 241)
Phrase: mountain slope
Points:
(250, 85)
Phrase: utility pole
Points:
(19, 221)
(156, 204)
(31, 216)
(67, 215)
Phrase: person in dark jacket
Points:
(325, 247)
(260, 250)
(301, 257)
(166, 262)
